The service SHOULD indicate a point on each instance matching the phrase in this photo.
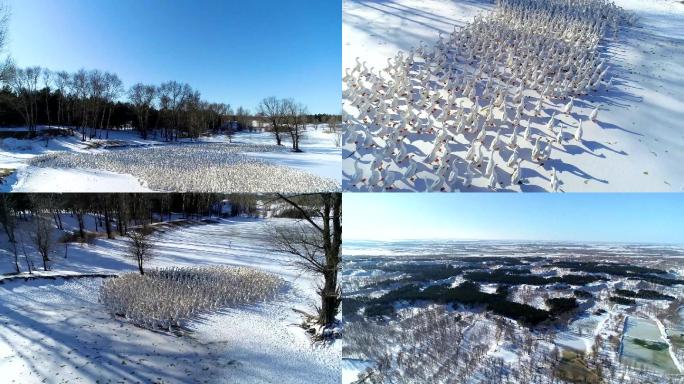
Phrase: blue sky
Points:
(236, 52)
(656, 218)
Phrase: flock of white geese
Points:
(475, 96)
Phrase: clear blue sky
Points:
(233, 51)
(657, 218)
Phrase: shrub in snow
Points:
(207, 167)
(167, 298)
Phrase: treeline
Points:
(504, 277)
(624, 270)
(424, 272)
(610, 268)
(467, 293)
(644, 294)
(499, 260)
(94, 102)
(30, 219)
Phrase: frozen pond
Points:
(641, 329)
(642, 345)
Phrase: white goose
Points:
(549, 124)
(389, 180)
(374, 178)
(453, 175)
(514, 138)
(358, 174)
(410, 171)
(554, 181)
(481, 135)
(527, 132)
(477, 161)
(559, 135)
(568, 107)
(513, 159)
(468, 176)
(470, 155)
(593, 116)
(493, 179)
(578, 132)
(536, 150)
(515, 177)
(494, 146)
(436, 185)
(490, 165)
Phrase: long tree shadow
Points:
(58, 335)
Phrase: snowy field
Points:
(126, 163)
(635, 144)
(56, 330)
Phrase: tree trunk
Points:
(330, 299)
(16, 256)
(330, 295)
(81, 225)
(108, 224)
(58, 220)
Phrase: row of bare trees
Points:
(34, 220)
(5, 62)
(91, 102)
(86, 100)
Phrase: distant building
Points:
(224, 208)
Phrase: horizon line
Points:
(436, 239)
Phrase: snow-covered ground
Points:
(57, 331)
(320, 158)
(637, 143)
(379, 344)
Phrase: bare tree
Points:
(24, 83)
(142, 96)
(272, 110)
(80, 89)
(335, 127)
(173, 97)
(296, 115)
(141, 246)
(6, 64)
(47, 87)
(42, 237)
(62, 80)
(113, 89)
(96, 99)
(316, 245)
(9, 224)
